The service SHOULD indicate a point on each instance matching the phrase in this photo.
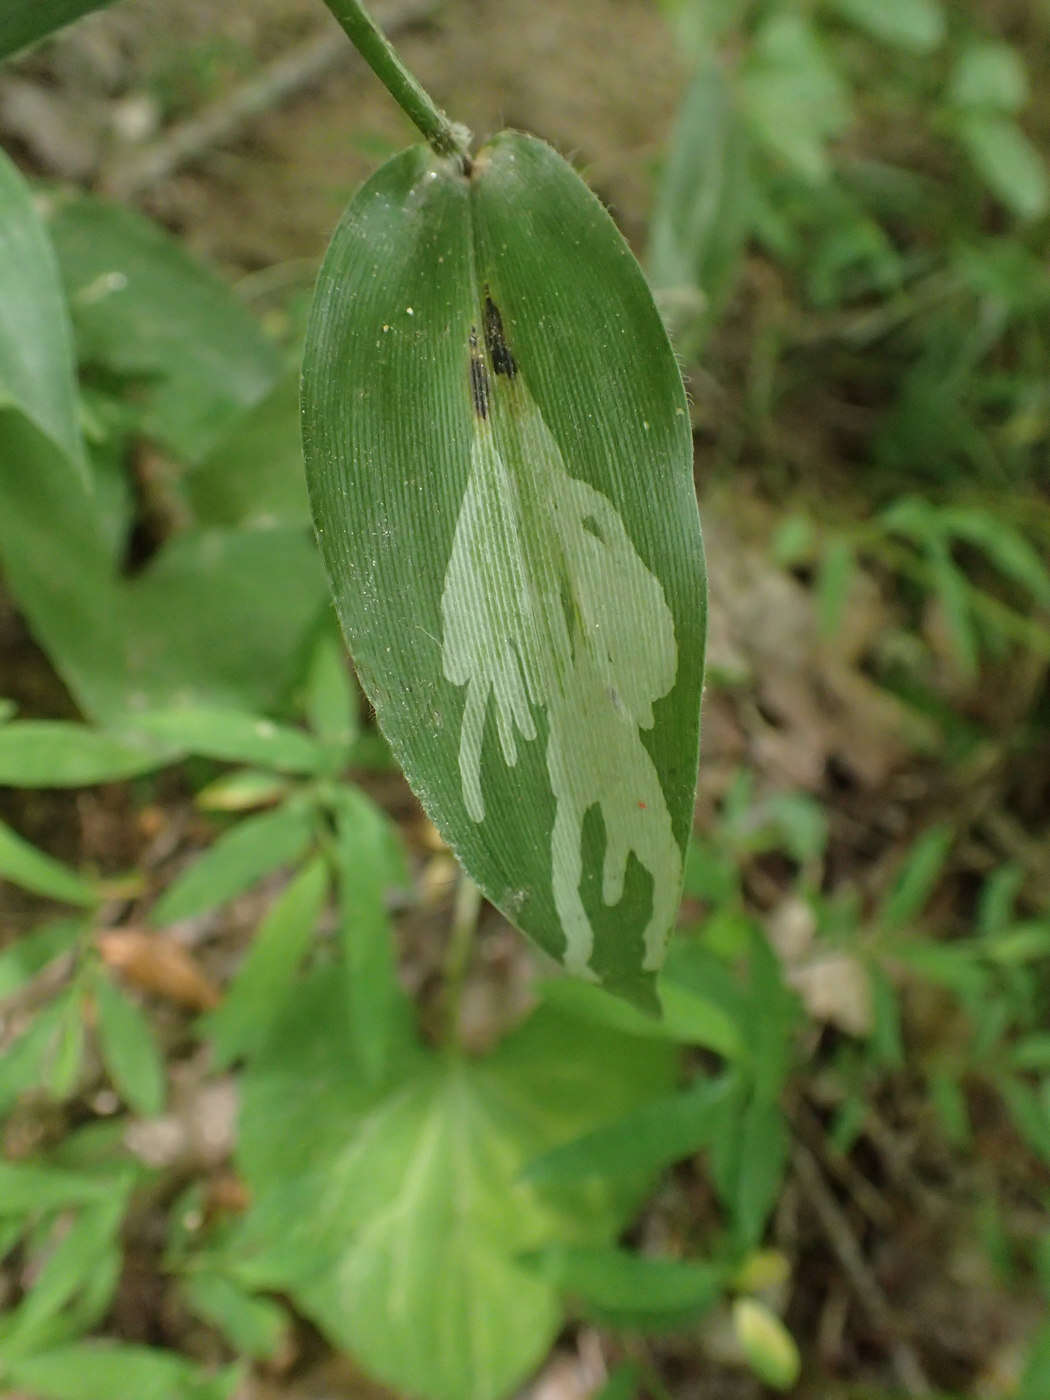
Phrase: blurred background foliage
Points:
(827, 1172)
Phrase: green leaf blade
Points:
(36, 341)
(518, 429)
(239, 858)
(33, 870)
(23, 22)
(129, 1049)
(52, 753)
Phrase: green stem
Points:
(413, 99)
(465, 913)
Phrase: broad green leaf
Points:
(52, 753)
(653, 1136)
(702, 207)
(218, 617)
(767, 1344)
(1012, 168)
(102, 1370)
(33, 870)
(129, 1049)
(916, 25)
(232, 736)
(989, 76)
(138, 301)
(253, 476)
(255, 1327)
(239, 858)
(221, 618)
(23, 22)
(36, 345)
(498, 456)
(266, 978)
(364, 854)
(793, 97)
(365, 1202)
(632, 1290)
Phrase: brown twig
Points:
(865, 1285)
(220, 122)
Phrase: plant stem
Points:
(413, 99)
(465, 912)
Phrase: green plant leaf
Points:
(232, 736)
(915, 25)
(627, 1289)
(23, 22)
(838, 564)
(218, 617)
(253, 476)
(239, 858)
(33, 870)
(22, 1065)
(952, 588)
(26, 1188)
(517, 429)
(129, 1049)
(917, 877)
(75, 1256)
(266, 978)
(653, 1136)
(138, 300)
(37, 373)
(793, 96)
(368, 863)
(242, 790)
(623, 1383)
(52, 753)
(101, 1370)
(331, 702)
(256, 1327)
(362, 1201)
(66, 1052)
(991, 77)
(1011, 167)
(1030, 1115)
(30, 952)
(768, 1345)
(760, 1165)
(702, 209)
(1005, 546)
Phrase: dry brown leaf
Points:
(155, 963)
